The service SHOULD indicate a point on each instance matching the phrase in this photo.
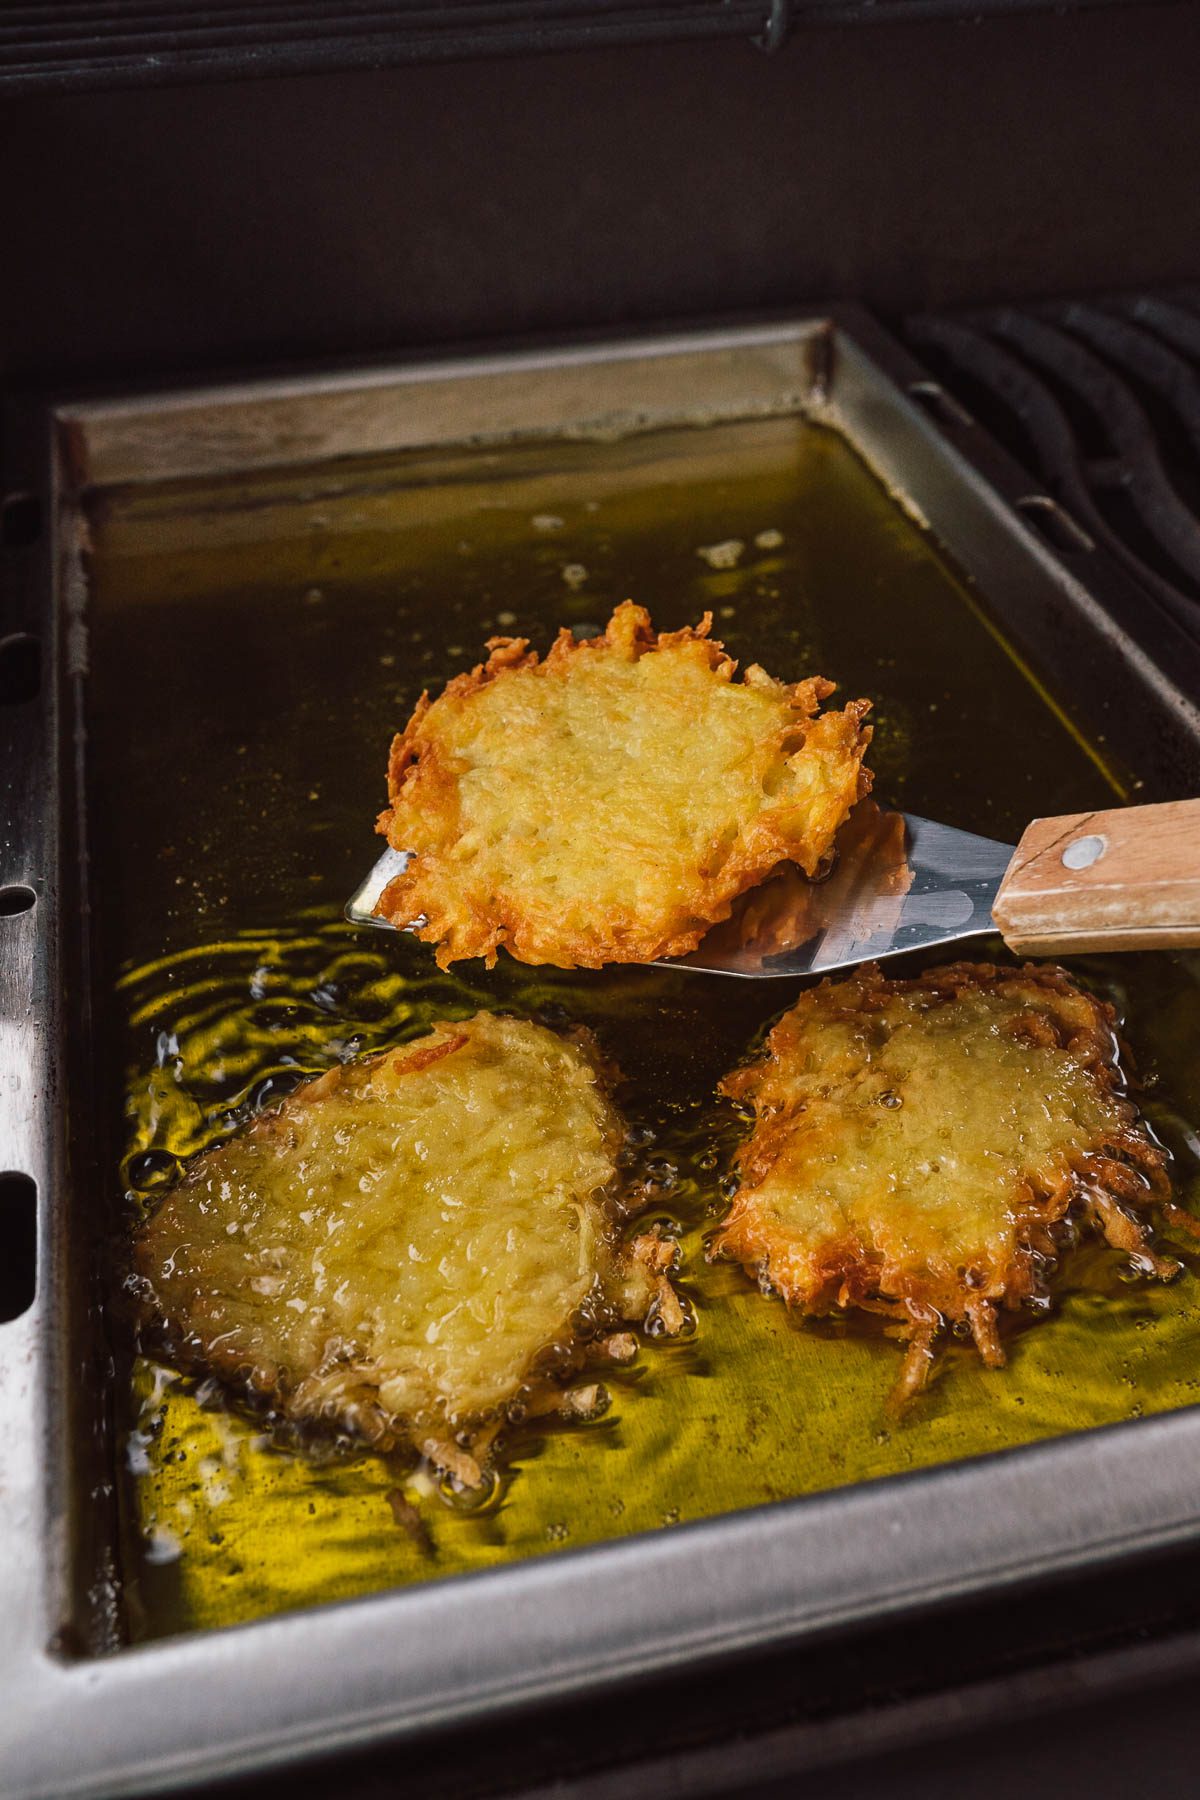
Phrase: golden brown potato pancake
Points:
(408, 1242)
(917, 1142)
(609, 803)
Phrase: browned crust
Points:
(422, 776)
(425, 1055)
(1111, 1187)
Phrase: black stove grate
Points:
(1100, 399)
(125, 43)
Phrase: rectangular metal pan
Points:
(84, 1715)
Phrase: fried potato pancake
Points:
(610, 803)
(917, 1142)
(401, 1246)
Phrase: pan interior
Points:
(254, 643)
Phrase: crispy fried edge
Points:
(640, 1274)
(1105, 1186)
(834, 736)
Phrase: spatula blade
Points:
(360, 907)
(897, 883)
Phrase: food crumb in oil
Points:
(574, 574)
(137, 1453)
(585, 1402)
(770, 539)
(725, 555)
(409, 1520)
(162, 1546)
(547, 522)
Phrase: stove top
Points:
(1100, 398)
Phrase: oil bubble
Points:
(274, 1088)
(460, 1498)
(153, 1169)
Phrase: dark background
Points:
(909, 165)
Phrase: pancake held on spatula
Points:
(609, 803)
(916, 1144)
(408, 1242)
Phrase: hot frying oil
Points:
(284, 629)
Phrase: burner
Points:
(1101, 398)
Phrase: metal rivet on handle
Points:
(1084, 852)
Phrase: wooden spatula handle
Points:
(1122, 880)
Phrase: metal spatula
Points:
(1128, 879)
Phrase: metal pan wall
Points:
(476, 1648)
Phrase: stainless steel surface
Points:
(29, 1127)
(881, 898)
(874, 905)
(463, 1651)
(360, 907)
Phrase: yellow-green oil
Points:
(254, 645)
